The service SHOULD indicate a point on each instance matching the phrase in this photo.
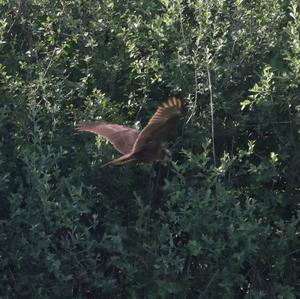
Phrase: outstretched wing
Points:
(122, 138)
(159, 126)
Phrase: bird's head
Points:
(166, 155)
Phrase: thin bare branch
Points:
(211, 115)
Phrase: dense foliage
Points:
(221, 220)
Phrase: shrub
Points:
(221, 220)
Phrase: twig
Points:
(196, 97)
(212, 115)
(182, 32)
(140, 109)
(209, 283)
(16, 17)
(53, 52)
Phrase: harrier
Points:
(140, 146)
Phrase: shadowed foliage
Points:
(221, 220)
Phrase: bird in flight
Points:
(140, 146)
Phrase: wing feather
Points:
(122, 138)
(159, 126)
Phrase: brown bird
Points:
(145, 146)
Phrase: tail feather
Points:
(121, 160)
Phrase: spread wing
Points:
(159, 126)
(122, 138)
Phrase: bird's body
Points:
(145, 146)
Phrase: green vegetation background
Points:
(221, 220)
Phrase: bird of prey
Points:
(140, 146)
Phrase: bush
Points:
(221, 220)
